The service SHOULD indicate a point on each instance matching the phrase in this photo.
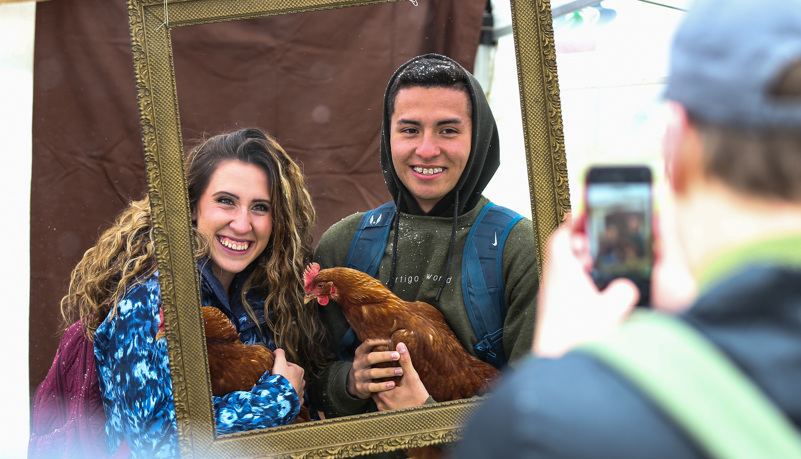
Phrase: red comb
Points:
(161, 327)
(308, 276)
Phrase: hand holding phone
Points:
(570, 309)
(619, 216)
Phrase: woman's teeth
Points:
(233, 245)
(424, 171)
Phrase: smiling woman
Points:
(252, 251)
(234, 215)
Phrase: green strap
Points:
(699, 388)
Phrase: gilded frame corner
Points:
(150, 24)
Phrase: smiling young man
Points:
(430, 138)
(439, 149)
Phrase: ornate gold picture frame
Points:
(151, 22)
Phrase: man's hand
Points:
(362, 376)
(571, 311)
(293, 373)
(409, 392)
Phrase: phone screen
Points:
(619, 216)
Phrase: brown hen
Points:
(446, 369)
(234, 366)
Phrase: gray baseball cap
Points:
(726, 56)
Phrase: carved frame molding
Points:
(150, 24)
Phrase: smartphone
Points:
(619, 225)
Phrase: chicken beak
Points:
(308, 298)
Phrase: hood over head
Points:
(484, 156)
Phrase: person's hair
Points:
(763, 163)
(125, 252)
(429, 72)
(279, 269)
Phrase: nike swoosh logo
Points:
(495, 244)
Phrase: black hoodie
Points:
(481, 165)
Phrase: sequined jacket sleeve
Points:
(134, 376)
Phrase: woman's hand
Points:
(293, 373)
(362, 375)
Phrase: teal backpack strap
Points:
(482, 273)
(370, 239)
(482, 280)
(698, 387)
(365, 252)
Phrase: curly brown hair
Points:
(125, 252)
(122, 254)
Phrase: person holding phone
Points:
(733, 156)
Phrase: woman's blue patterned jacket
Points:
(134, 372)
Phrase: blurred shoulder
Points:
(575, 407)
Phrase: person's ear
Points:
(681, 149)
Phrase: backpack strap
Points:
(482, 280)
(698, 387)
(67, 418)
(482, 273)
(370, 239)
(365, 252)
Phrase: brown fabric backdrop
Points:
(315, 81)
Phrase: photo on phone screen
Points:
(619, 215)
